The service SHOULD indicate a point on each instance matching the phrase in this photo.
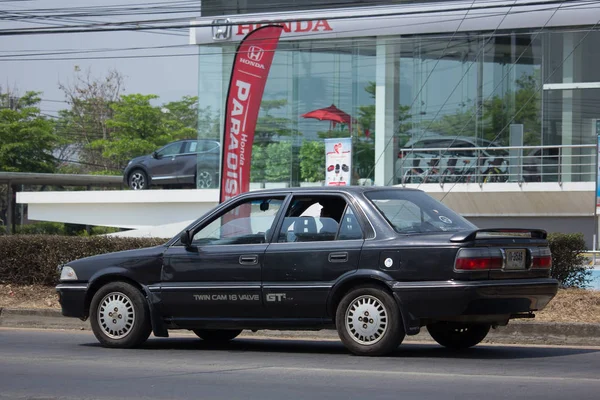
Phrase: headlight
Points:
(68, 274)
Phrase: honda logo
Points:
(220, 31)
(255, 53)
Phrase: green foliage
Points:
(268, 126)
(278, 162)
(521, 106)
(138, 127)
(568, 262)
(42, 228)
(26, 137)
(32, 259)
(312, 161)
(366, 115)
(259, 159)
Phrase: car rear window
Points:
(413, 212)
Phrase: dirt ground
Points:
(569, 305)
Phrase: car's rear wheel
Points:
(138, 180)
(119, 315)
(368, 321)
(204, 179)
(217, 335)
(457, 335)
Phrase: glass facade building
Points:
(411, 72)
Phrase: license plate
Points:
(515, 259)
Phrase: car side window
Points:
(249, 222)
(317, 218)
(349, 226)
(192, 147)
(170, 150)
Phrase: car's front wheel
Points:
(457, 335)
(369, 322)
(138, 180)
(119, 316)
(217, 335)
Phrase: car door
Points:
(219, 275)
(162, 167)
(184, 164)
(308, 255)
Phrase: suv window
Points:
(170, 149)
(319, 218)
(248, 222)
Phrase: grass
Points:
(569, 305)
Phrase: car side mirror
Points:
(186, 239)
(154, 154)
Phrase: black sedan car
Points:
(374, 263)
(182, 163)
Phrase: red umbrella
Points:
(331, 113)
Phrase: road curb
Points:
(544, 333)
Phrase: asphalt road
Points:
(47, 364)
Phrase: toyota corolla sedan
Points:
(374, 263)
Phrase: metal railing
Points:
(566, 163)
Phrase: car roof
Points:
(329, 190)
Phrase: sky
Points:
(169, 77)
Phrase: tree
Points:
(312, 161)
(90, 101)
(137, 127)
(521, 106)
(568, 261)
(278, 162)
(26, 136)
(268, 126)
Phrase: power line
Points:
(119, 26)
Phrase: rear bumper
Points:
(72, 299)
(436, 300)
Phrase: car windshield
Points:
(413, 212)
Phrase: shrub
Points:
(32, 259)
(568, 262)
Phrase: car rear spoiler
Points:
(467, 236)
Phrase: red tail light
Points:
(478, 259)
(474, 264)
(544, 262)
(542, 258)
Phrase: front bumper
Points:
(449, 299)
(71, 297)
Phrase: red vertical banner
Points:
(248, 78)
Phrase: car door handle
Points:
(338, 257)
(249, 259)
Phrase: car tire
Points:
(130, 326)
(383, 333)
(205, 179)
(217, 335)
(457, 335)
(138, 180)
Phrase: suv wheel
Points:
(368, 321)
(217, 335)
(138, 180)
(204, 179)
(119, 316)
(457, 335)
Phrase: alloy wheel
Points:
(366, 320)
(137, 181)
(116, 315)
